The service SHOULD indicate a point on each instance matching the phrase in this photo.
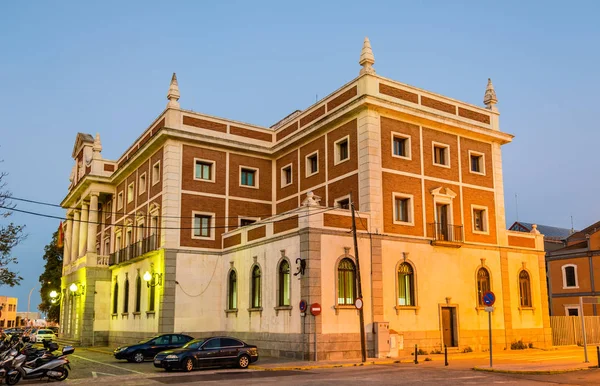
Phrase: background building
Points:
(8, 314)
(211, 226)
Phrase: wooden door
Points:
(448, 326)
(442, 219)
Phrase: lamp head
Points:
(73, 287)
(147, 276)
(53, 294)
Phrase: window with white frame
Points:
(142, 184)
(248, 177)
(130, 190)
(312, 164)
(400, 145)
(286, 175)
(480, 219)
(246, 221)
(342, 150)
(120, 200)
(477, 164)
(570, 279)
(342, 203)
(571, 310)
(441, 154)
(203, 170)
(202, 225)
(403, 209)
(156, 173)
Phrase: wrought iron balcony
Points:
(445, 234)
(134, 250)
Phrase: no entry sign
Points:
(315, 309)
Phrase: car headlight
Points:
(172, 356)
(121, 349)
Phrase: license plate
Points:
(157, 362)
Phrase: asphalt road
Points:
(104, 369)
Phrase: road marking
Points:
(95, 374)
(106, 364)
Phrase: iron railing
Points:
(134, 250)
(445, 232)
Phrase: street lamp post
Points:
(29, 303)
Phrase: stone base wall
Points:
(123, 338)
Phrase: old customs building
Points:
(211, 226)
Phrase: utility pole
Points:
(363, 348)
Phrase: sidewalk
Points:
(529, 361)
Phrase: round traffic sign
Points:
(315, 309)
(303, 305)
(489, 298)
(358, 303)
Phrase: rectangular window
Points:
(312, 164)
(248, 177)
(202, 225)
(203, 170)
(246, 221)
(440, 155)
(130, 190)
(341, 150)
(107, 247)
(343, 203)
(286, 175)
(572, 311)
(400, 146)
(476, 163)
(479, 220)
(402, 209)
(156, 173)
(120, 200)
(142, 184)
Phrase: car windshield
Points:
(194, 344)
(45, 332)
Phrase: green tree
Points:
(50, 278)
(10, 236)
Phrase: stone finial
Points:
(311, 199)
(534, 229)
(367, 60)
(489, 99)
(97, 148)
(173, 95)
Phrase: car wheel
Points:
(243, 361)
(138, 357)
(188, 364)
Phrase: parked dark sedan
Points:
(208, 352)
(148, 348)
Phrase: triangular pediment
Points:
(80, 140)
(442, 191)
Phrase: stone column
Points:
(93, 223)
(68, 240)
(83, 228)
(75, 237)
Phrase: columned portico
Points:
(83, 228)
(75, 236)
(93, 223)
(68, 239)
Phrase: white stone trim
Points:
(211, 228)
(284, 184)
(572, 307)
(212, 170)
(336, 202)
(142, 186)
(411, 208)
(434, 144)
(228, 197)
(485, 220)
(564, 276)
(256, 177)
(307, 172)
(156, 178)
(481, 164)
(336, 151)
(395, 134)
(428, 178)
(240, 218)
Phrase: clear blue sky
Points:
(105, 67)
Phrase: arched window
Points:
(126, 297)
(346, 282)
(138, 294)
(284, 283)
(255, 301)
(524, 289)
(406, 285)
(116, 298)
(483, 285)
(232, 291)
(152, 297)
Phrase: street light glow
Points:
(147, 276)
(73, 287)
(53, 294)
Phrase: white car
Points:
(42, 335)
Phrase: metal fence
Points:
(566, 330)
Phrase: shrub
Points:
(530, 345)
(428, 359)
(519, 345)
(468, 349)
(436, 351)
(422, 352)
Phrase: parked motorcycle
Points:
(33, 364)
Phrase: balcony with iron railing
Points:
(444, 234)
(134, 250)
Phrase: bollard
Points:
(445, 355)
(416, 356)
(598, 355)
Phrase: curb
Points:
(530, 372)
(323, 366)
